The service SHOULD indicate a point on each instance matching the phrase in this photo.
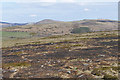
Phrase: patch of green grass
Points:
(7, 35)
(17, 53)
(20, 64)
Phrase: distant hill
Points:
(53, 27)
(47, 21)
(6, 24)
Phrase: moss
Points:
(17, 53)
(20, 64)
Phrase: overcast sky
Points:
(59, 0)
(66, 10)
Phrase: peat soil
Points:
(47, 61)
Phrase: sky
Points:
(21, 11)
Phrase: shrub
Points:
(80, 30)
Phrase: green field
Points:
(7, 35)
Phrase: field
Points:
(6, 34)
(85, 55)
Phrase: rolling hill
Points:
(6, 24)
(52, 27)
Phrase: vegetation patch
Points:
(80, 30)
(17, 64)
(17, 53)
(6, 35)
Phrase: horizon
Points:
(15, 12)
(60, 20)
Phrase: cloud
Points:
(59, 1)
(82, 3)
(97, 0)
(19, 1)
(46, 3)
(33, 15)
(86, 9)
(67, 1)
(48, 0)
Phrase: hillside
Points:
(88, 55)
(6, 24)
(51, 27)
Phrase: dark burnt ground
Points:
(60, 59)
